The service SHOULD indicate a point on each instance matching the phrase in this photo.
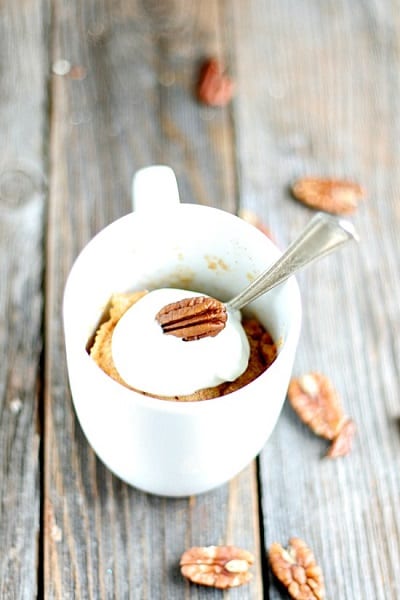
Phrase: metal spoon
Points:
(323, 234)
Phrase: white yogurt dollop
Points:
(151, 361)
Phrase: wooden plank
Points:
(22, 180)
(317, 95)
(135, 106)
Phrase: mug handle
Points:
(154, 189)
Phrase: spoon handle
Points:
(323, 234)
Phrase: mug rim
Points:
(190, 407)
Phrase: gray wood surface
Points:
(22, 182)
(327, 106)
(103, 539)
(316, 93)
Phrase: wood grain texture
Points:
(318, 86)
(23, 97)
(134, 107)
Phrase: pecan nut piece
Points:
(335, 196)
(215, 88)
(251, 217)
(193, 318)
(217, 566)
(316, 402)
(342, 443)
(297, 569)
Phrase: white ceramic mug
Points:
(165, 447)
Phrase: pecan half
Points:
(297, 569)
(342, 443)
(217, 566)
(193, 318)
(316, 402)
(335, 196)
(214, 87)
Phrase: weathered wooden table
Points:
(317, 89)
